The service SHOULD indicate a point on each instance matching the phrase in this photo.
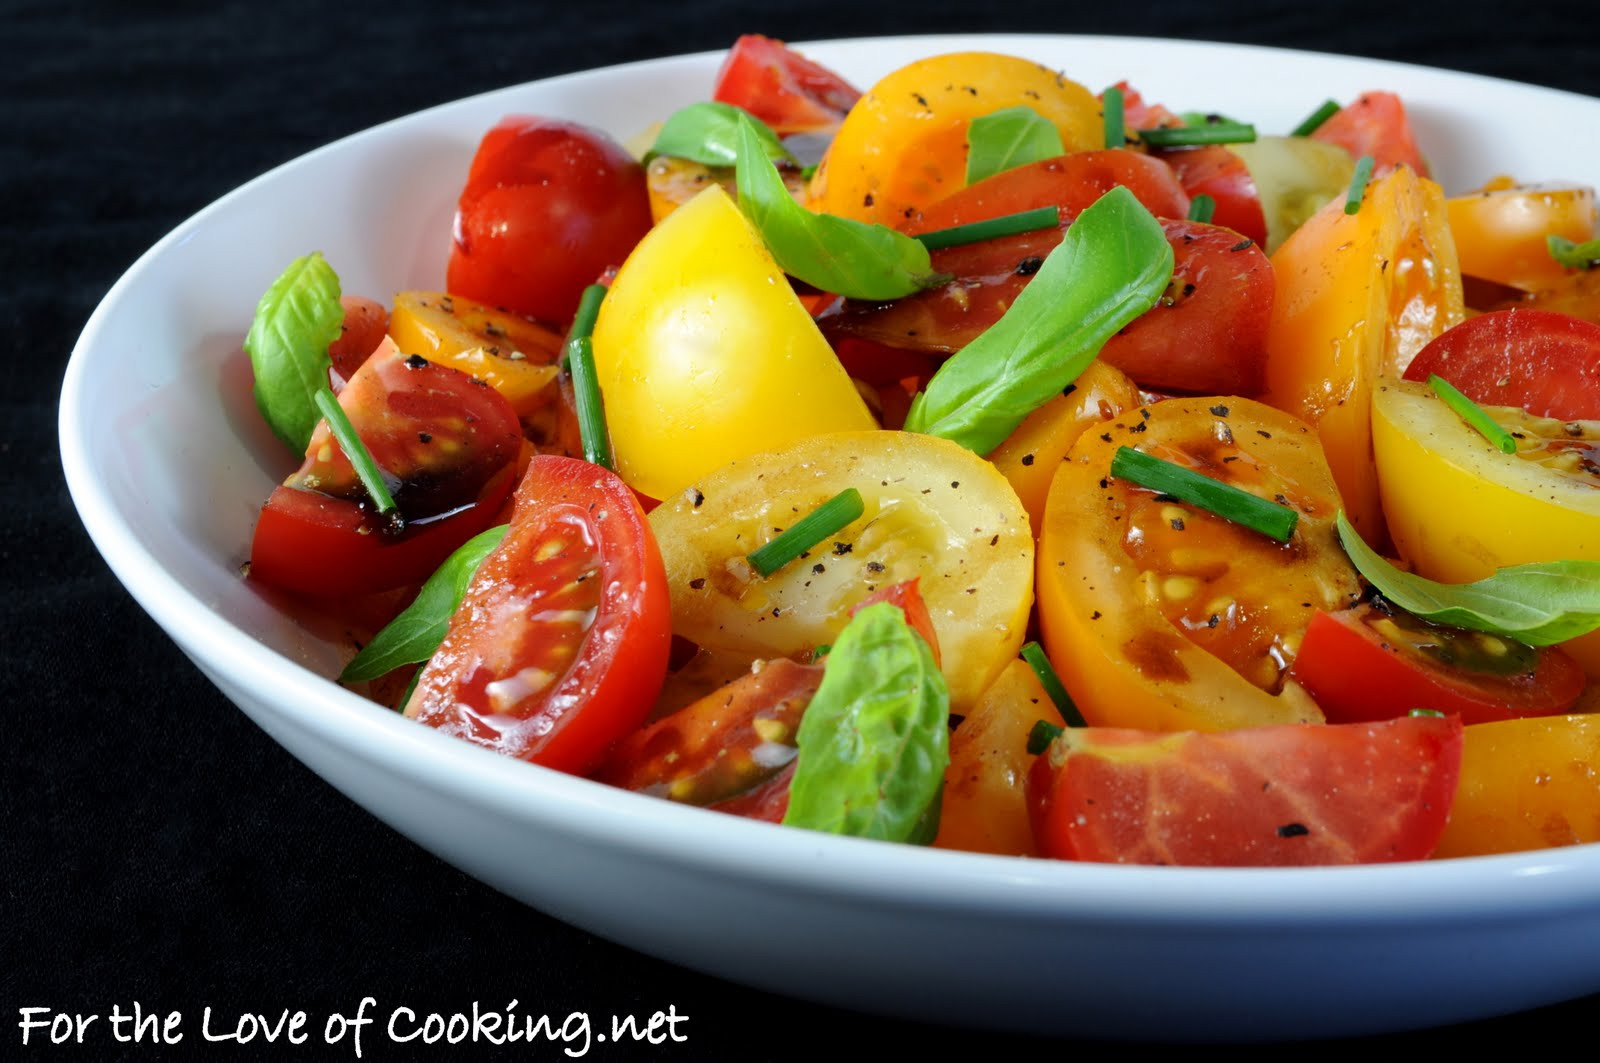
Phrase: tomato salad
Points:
(978, 461)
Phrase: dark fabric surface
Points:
(157, 847)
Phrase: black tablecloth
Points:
(155, 847)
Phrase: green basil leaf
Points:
(839, 255)
(1538, 604)
(414, 635)
(875, 740)
(708, 133)
(1112, 266)
(1007, 139)
(1573, 255)
(296, 321)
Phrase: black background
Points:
(154, 845)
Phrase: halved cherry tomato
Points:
(560, 644)
(781, 87)
(1268, 796)
(364, 326)
(1375, 124)
(1212, 170)
(1544, 362)
(547, 207)
(1367, 664)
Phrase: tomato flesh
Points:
(365, 324)
(781, 87)
(1544, 362)
(1375, 124)
(1293, 795)
(1212, 170)
(560, 644)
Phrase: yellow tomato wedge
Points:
(511, 354)
(1500, 231)
(1458, 508)
(1358, 295)
(933, 511)
(904, 144)
(705, 355)
(985, 808)
(1161, 616)
(1526, 784)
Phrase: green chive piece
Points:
(808, 531)
(1024, 221)
(360, 458)
(1225, 500)
(1116, 130)
(1043, 733)
(1358, 185)
(579, 361)
(1033, 653)
(1194, 136)
(1202, 208)
(1473, 414)
(1426, 712)
(1573, 256)
(1314, 120)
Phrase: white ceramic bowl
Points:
(169, 466)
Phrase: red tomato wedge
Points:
(1544, 362)
(1375, 124)
(1212, 170)
(1294, 795)
(365, 324)
(1367, 664)
(782, 87)
(560, 644)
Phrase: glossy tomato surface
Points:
(781, 87)
(1270, 796)
(1544, 362)
(1375, 124)
(548, 206)
(560, 644)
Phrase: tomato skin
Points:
(1501, 231)
(1294, 795)
(781, 87)
(1358, 675)
(1546, 363)
(547, 207)
(1212, 170)
(364, 326)
(577, 644)
(1375, 124)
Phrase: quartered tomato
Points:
(560, 644)
(1269, 796)
(1544, 362)
(444, 441)
(1368, 663)
(781, 87)
(1375, 124)
(1162, 616)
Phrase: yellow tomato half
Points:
(1458, 508)
(904, 144)
(704, 354)
(1162, 616)
(1358, 295)
(1500, 230)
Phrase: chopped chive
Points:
(1043, 733)
(1358, 185)
(1201, 208)
(360, 457)
(579, 359)
(1426, 712)
(1116, 130)
(1033, 653)
(1024, 221)
(1225, 500)
(1314, 120)
(1193, 136)
(1473, 414)
(1573, 256)
(808, 531)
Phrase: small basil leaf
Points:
(1538, 604)
(1112, 266)
(875, 741)
(414, 635)
(1573, 255)
(1007, 139)
(708, 133)
(296, 321)
(839, 255)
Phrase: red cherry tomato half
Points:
(782, 87)
(548, 206)
(560, 645)
(1212, 170)
(1544, 362)
(1375, 124)
(1300, 794)
(1368, 664)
